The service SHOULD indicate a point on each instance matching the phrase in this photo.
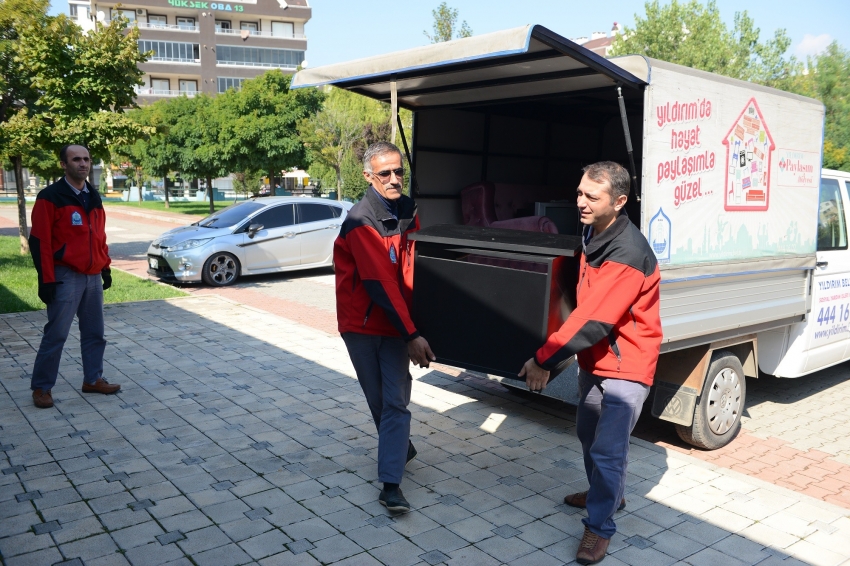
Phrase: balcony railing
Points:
(257, 64)
(172, 60)
(253, 33)
(146, 91)
(172, 27)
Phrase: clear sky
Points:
(342, 30)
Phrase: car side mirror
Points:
(253, 229)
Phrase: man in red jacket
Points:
(373, 261)
(68, 247)
(615, 331)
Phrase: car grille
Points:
(163, 270)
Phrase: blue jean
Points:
(607, 413)
(382, 365)
(80, 295)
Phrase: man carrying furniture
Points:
(615, 331)
(373, 260)
(68, 247)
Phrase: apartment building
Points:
(202, 46)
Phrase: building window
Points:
(283, 29)
(186, 23)
(171, 51)
(160, 86)
(188, 86)
(72, 11)
(258, 57)
(225, 83)
(222, 25)
(157, 21)
(129, 14)
(253, 27)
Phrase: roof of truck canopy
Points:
(516, 63)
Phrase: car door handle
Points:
(288, 234)
(332, 226)
(821, 264)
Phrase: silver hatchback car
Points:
(261, 235)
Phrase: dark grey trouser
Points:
(80, 295)
(382, 365)
(607, 413)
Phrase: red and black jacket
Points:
(373, 261)
(65, 233)
(616, 328)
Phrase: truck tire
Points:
(717, 416)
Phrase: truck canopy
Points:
(516, 63)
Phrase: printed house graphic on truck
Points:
(749, 147)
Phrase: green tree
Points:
(17, 94)
(257, 127)
(693, 34)
(445, 25)
(247, 182)
(75, 86)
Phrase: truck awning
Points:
(516, 63)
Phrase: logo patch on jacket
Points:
(393, 256)
(76, 219)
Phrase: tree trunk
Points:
(22, 204)
(136, 180)
(338, 183)
(272, 190)
(210, 192)
(165, 184)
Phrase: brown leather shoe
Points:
(592, 548)
(100, 386)
(42, 399)
(580, 500)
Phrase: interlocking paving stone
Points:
(72, 562)
(120, 476)
(209, 411)
(434, 557)
(506, 531)
(510, 480)
(300, 546)
(96, 453)
(261, 445)
(29, 496)
(450, 500)
(460, 458)
(77, 433)
(358, 451)
(13, 470)
(7, 447)
(187, 395)
(563, 464)
(323, 432)
(690, 518)
(639, 542)
(335, 492)
(146, 421)
(168, 439)
(64, 417)
(129, 405)
(511, 443)
(380, 521)
(169, 538)
(139, 505)
(168, 383)
(233, 426)
(292, 416)
(48, 527)
(243, 386)
(222, 485)
(193, 460)
(255, 514)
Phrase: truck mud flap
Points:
(674, 403)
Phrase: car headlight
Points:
(187, 245)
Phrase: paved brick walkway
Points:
(241, 437)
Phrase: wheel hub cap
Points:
(724, 399)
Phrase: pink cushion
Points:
(527, 223)
(476, 203)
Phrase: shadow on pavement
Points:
(239, 436)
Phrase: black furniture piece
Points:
(486, 298)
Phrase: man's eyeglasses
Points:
(384, 175)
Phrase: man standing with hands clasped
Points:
(373, 260)
(68, 247)
(615, 331)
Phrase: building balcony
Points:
(171, 27)
(257, 65)
(173, 60)
(147, 91)
(243, 33)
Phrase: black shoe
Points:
(411, 453)
(394, 501)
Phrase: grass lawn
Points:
(198, 208)
(19, 284)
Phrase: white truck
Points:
(750, 234)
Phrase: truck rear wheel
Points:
(717, 416)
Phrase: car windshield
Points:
(233, 214)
